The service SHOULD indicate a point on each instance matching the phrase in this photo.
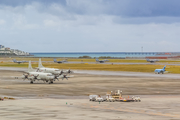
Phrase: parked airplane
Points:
(14, 60)
(56, 72)
(160, 70)
(33, 75)
(59, 61)
(151, 61)
(101, 61)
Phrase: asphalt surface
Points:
(113, 73)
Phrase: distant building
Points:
(2, 47)
(8, 51)
(7, 48)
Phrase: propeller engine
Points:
(64, 76)
(25, 76)
(69, 71)
(56, 76)
(61, 72)
(35, 77)
(37, 70)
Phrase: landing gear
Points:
(31, 82)
(46, 81)
(50, 82)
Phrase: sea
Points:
(105, 54)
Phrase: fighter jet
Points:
(101, 61)
(151, 61)
(56, 72)
(160, 70)
(59, 61)
(33, 75)
(14, 60)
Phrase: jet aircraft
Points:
(14, 60)
(160, 70)
(59, 61)
(101, 61)
(151, 61)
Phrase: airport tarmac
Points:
(160, 97)
(151, 108)
(112, 73)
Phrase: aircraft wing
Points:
(70, 76)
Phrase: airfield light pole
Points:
(142, 49)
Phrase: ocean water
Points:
(99, 54)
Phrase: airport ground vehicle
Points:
(92, 97)
(114, 96)
(96, 98)
(136, 99)
(1, 99)
(99, 99)
(133, 99)
(110, 99)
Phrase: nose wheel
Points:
(50, 82)
(31, 82)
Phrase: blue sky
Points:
(90, 25)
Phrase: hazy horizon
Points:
(90, 26)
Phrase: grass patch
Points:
(89, 60)
(104, 67)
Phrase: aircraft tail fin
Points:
(30, 69)
(164, 67)
(40, 64)
(55, 60)
(14, 60)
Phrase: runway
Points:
(113, 73)
(135, 74)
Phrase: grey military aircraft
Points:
(14, 60)
(34, 75)
(101, 61)
(151, 61)
(56, 72)
(63, 61)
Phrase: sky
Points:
(90, 25)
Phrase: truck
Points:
(96, 98)
(110, 99)
(114, 96)
(117, 96)
(92, 97)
